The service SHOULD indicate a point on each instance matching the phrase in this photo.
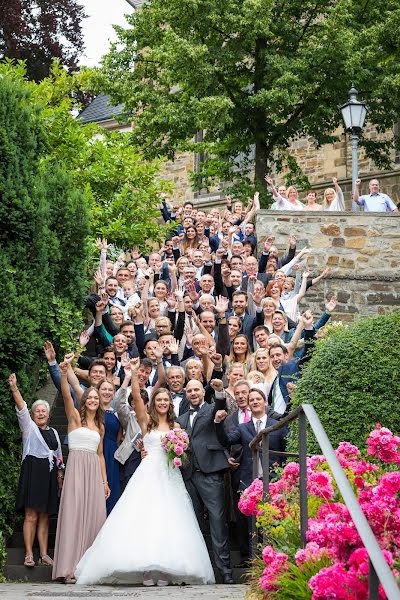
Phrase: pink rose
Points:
(177, 462)
(178, 450)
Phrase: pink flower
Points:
(177, 462)
(311, 552)
(276, 563)
(178, 450)
(384, 445)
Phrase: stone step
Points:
(21, 573)
(40, 574)
(17, 540)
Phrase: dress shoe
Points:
(244, 564)
(227, 578)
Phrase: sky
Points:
(97, 27)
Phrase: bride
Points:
(152, 534)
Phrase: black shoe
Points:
(244, 564)
(227, 578)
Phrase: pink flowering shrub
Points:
(332, 536)
(384, 445)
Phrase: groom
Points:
(204, 474)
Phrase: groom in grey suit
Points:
(204, 474)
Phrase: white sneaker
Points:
(163, 580)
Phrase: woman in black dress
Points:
(41, 473)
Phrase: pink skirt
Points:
(82, 511)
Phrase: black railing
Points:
(379, 570)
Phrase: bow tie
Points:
(174, 395)
(193, 410)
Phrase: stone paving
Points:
(44, 591)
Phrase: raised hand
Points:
(306, 274)
(334, 180)
(171, 301)
(258, 295)
(217, 385)
(179, 293)
(174, 346)
(125, 360)
(99, 278)
(134, 364)
(49, 351)
(191, 290)
(68, 358)
(100, 306)
(132, 312)
(269, 180)
(221, 305)
(215, 357)
(268, 243)
(12, 380)
(292, 241)
(189, 335)
(358, 182)
(84, 338)
(331, 305)
(220, 253)
(158, 352)
(308, 319)
(326, 272)
(220, 415)
(64, 368)
(171, 268)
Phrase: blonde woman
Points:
(261, 363)
(333, 198)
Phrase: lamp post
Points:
(354, 113)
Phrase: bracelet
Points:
(105, 482)
(14, 389)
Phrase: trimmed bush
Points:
(353, 380)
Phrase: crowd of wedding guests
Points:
(218, 320)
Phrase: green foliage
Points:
(3, 556)
(293, 583)
(252, 75)
(44, 221)
(353, 381)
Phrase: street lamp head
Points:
(353, 112)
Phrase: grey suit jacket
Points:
(210, 454)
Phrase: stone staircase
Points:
(16, 571)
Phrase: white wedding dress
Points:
(152, 527)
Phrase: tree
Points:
(39, 30)
(252, 74)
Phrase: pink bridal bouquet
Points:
(175, 444)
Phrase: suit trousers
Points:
(208, 489)
(243, 523)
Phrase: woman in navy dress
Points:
(110, 443)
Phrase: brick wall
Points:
(362, 249)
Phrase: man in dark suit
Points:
(239, 305)
(176, 382)
(241, 415)
(244, 433)
(289, 370)
(204, 474)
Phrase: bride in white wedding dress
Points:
(152, 534)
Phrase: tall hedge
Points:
(353, 380)
(44, 224)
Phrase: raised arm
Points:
(270, 182)
(18, 399)
(140, 408)
(70, 410)
(356, 192)
(291, 347)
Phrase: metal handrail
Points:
(379, 570)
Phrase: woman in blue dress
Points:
(112, 435)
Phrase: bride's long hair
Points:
(153, 414)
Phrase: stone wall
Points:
(362, 250)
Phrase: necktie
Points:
(246, 415)
(258, 429)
